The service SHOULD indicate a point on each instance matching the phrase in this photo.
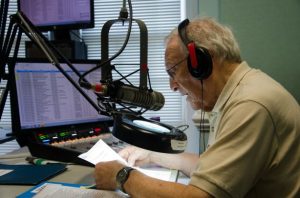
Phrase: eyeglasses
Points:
(172, 70)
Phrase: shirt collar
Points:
(231, 84)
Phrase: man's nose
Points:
(173, 85)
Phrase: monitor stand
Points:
(66, 41)
(5, 131)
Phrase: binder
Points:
(29, 174)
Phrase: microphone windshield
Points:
(147, 99)
(131, 95)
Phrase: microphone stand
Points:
(129, 125)
(143, 50)
(3, 74)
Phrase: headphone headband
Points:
(182, 31)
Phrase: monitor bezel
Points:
(71, 26)
(16, 126)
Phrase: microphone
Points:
(131, 95)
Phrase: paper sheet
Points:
(101, 152)
(4, 171)
(60, 191)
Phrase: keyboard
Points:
(66, 145)
(82, 145)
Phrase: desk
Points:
(74, 174)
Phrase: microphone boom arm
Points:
(106, 105)
(128, 126)
(22, 24)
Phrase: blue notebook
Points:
(29, 174)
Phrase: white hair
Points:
(216, 38)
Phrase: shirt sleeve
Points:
(245, 143)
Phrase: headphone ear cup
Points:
(203, 68)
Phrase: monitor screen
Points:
(45, 98)
(59, 14)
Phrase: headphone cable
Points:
(202, 115)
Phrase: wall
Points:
(269, 35)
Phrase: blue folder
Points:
(29, 174)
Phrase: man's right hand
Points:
(136, 156)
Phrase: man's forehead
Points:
(173, 52)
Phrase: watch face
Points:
(123, 175)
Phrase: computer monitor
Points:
(59, 16)
(44, 102)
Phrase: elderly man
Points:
(254, 141)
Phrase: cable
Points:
(106, 102)
(202, 115)
(123, 13)
(184, 126)
(118, 53)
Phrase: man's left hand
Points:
(105, 174)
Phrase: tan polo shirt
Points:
(254, 143)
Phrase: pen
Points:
(36, 161)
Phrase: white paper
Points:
(159, 174)
(60, 191)
(101, 152)
(4, 171)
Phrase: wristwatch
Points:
(122, 177)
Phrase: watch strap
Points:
(122, 177)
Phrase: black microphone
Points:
(131, 95)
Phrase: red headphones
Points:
(199, 60)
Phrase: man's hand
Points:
(105, 174)
(136, 156)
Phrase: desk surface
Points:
(74, 174)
